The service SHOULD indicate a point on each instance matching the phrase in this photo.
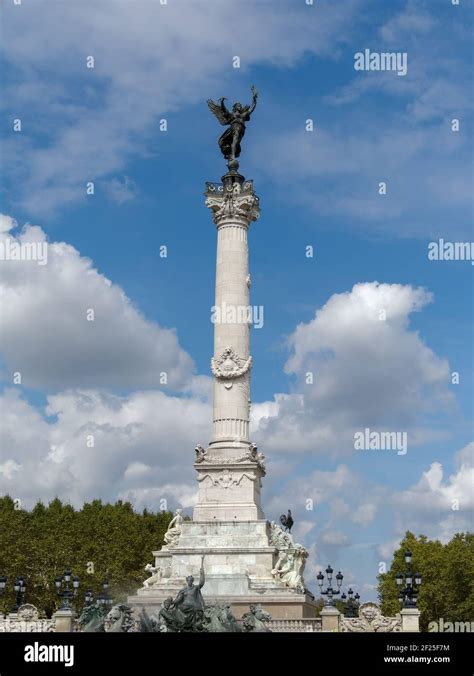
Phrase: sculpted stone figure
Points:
(92, 619)
(119, 619)
(186, 611)
(219, 618)
(200, 453)
(230, 141)
(156, 576)
(291, 559)
(255, 619)
(278, 538)
(289, 567)
(174, 529)
(150, 623)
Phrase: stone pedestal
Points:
(238, 564)
(330, 618)
(64, 620)
(410, 619)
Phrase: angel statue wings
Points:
(229, 142)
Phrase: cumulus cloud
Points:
(46, 332)
(436, 506)
(91, 444)
(150, 59)
(357, 364)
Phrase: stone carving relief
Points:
(278, 538)
(371, 619)
(28, 613)
(227, 479)
(291, 559)
(155, 578)
(200, 453)
(27, 619)
(232, 203)
(120, 619)
(252, 455)
(229, 366)
(173, 533)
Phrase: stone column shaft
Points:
(234, 208)
(230, 470)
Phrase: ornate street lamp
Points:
(63, 589)
(407, 587)
(351, 608)
(103, 601)
(20, 591)
(329, 592)
(19, 587)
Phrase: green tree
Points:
(447, 578)
(97, 541)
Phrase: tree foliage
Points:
(40, 544)
(447, 589)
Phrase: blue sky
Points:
(316, 188)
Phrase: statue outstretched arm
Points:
(253, 105)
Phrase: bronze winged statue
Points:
(229, 142)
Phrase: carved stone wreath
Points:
(229, 365)
(28, 612)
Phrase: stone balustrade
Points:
(308, 625)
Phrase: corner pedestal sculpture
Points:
(247, 559)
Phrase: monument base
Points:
(239, 566)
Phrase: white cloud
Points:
(367, 372)
(7, 223)
(9, 468)
(45, 333)
(96, 444)
(437, 507)
(150, 59)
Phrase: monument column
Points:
(234, 207)
(230, 470)
(247, 560)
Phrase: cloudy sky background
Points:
(319, 188)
